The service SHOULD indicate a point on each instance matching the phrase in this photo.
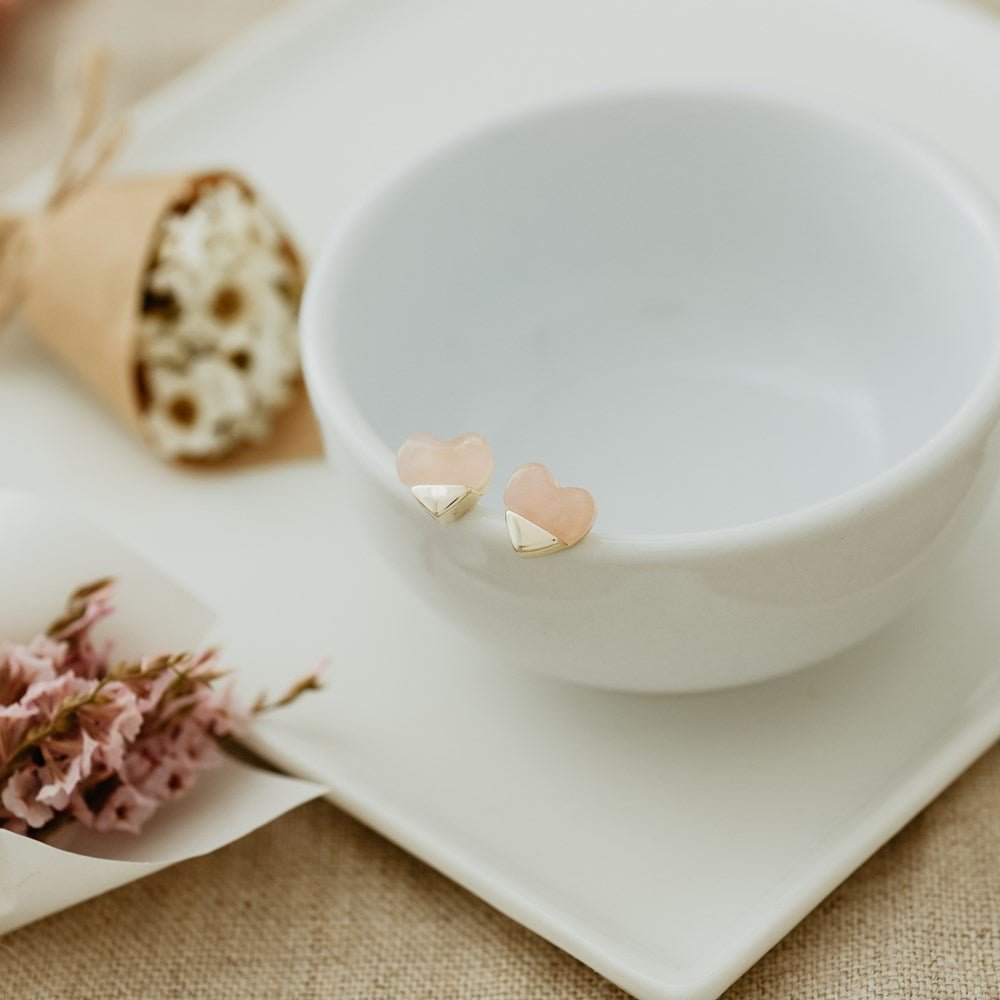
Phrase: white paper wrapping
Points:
(44, 556)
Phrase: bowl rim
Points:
(974, 418)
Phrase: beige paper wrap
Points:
(83, 284)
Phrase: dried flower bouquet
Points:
(175, 298)
(106, 743)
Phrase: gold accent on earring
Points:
(446, 503)
(543, 517)
(447, 478)
(530, 540)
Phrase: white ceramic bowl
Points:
(763, 334)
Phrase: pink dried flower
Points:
(126, 809)
(171, 777)
(113, 721)
(21, 666)
(86, 607)
(20, 797)
(46, 699)
(67, 763)
(15, 722)
(105, 743)
(149, 692)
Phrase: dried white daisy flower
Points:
(218, 345)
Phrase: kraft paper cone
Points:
(83, 292)
(88, 257)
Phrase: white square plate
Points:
(667, 842)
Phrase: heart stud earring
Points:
(542, 516)
(447, 478)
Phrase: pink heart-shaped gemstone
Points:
(565, 512)
(464, 461)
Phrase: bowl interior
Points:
(707, 309)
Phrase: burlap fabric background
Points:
(316, 905)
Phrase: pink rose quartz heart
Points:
(565, 512)
(464, 461)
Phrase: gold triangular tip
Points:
(530, 540)
(445, 503)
